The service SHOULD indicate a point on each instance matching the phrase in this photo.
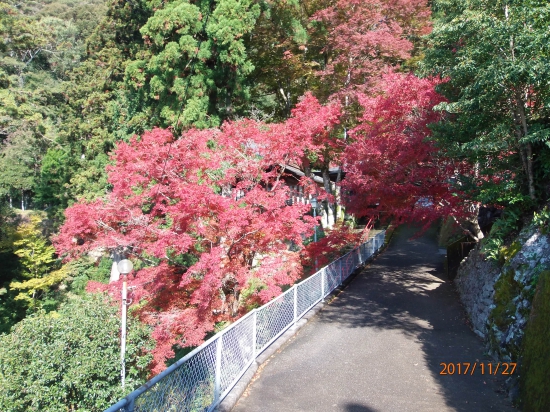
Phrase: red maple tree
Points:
(392, 167)
(207, 217)
(364, 38)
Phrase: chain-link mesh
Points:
(199, 382)
(188, 388)
(308, 293)
(273, 318)
(237, 351)
(347, 265)
(332, 277)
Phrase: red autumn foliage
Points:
(392, 168)
(364, 38)
(308, 131)
(205, 214)
(330, 247)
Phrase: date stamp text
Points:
(483, 368)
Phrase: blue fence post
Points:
(254, 332)
(217, 373)
(295, 303)
(323, 285)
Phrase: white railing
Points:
(200, 380)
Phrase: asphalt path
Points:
(379, 345)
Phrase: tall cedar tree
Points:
(194, 63)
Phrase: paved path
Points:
(378, 346)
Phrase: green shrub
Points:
(70, 360)
(542, 219)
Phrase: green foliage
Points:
(508, 252)
(284, 68)
(11, 310)
(542, 219)
(34, 251)
(32, 276)
(507, 225)
(41, 44)
(37, 258)
(51, 190)
(18, 162)
(536, 362)
(70, 360)
(253, 287)
(495, 57)
(193, 67)
(85, 15)
(82, 270)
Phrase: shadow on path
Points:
(380, 344)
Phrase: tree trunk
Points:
(528, 146)
(307, 168)
(338, 195)
(530, 174)
(520, 107)
(476, 229)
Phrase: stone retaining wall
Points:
(497, 295)
(475, 283)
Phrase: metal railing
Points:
(200, 380)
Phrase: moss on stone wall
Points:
(506, 253)
(502, 339)
(535, 376)
(506, 289)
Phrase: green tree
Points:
(37, 258)
(11, 310)
(284, 59)
(152, 63)
(94, 114)
(42, 43)
(51, 188)
(495, 57)
(19, 165)
(86, 15)
(70, 360)
(193, 68)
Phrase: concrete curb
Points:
(234, 395)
